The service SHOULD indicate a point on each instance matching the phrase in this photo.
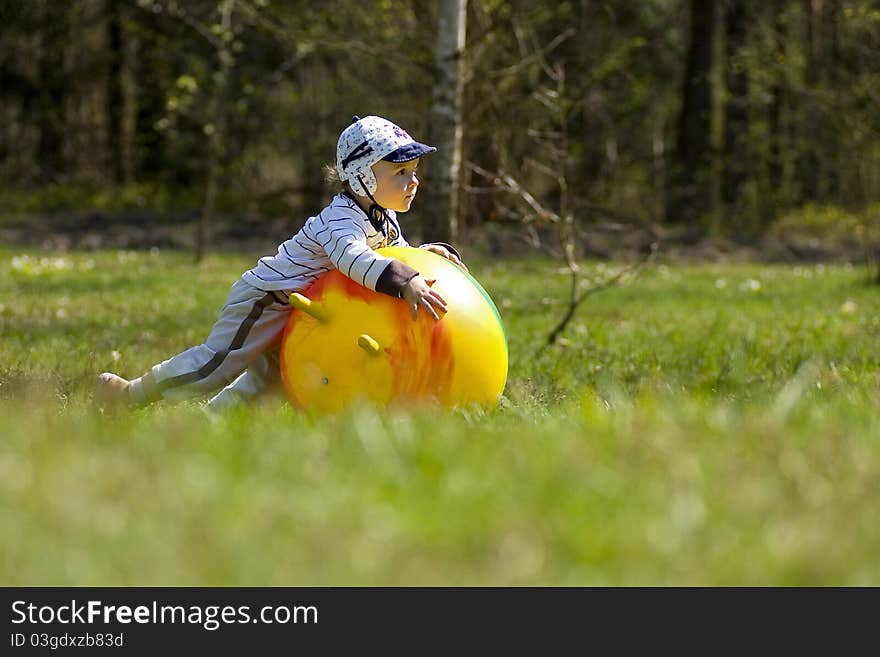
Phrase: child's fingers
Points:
(427, 304)
(439, 250)
(436, 298)
(456, 260)
(419, 293)
(446, 253)
(431, 302)
(430, 308)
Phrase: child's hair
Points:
(332, 180)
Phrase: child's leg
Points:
(250, 322)
(261, 376)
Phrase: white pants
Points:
(239, 356)
(262, 375)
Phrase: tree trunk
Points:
(690, 190)
(52, 91)
(115, 94)
(735, 171)
(777, 130)
(808, 156)
(832, 61)
(216, 129)
(441, 220)
(148, 144)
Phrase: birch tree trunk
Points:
(441, 221)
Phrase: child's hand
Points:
(418, 293)
(441, 250)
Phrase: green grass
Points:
(702, 425)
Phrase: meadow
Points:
(701, 424)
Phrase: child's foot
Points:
(111, 391)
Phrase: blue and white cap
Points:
(368, 140)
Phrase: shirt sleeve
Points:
(396, 275)
(344, 240)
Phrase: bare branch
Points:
(506, 182)
(617, 279)
(526, 59)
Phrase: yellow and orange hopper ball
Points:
(346, 344)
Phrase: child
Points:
(376, 162)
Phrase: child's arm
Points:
(402, 281)
(418, 294)
(345, 243)
(446, 250)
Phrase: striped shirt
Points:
(339, 236)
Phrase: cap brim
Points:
(409, 152)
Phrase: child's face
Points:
(396, 184)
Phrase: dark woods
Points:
(715, 115)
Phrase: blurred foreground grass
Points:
(706, 425)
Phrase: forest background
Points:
(625, 125)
